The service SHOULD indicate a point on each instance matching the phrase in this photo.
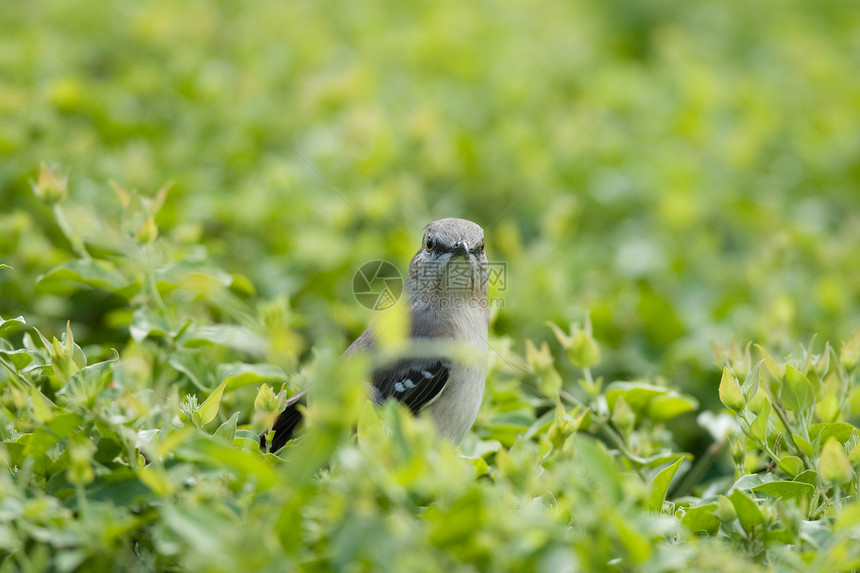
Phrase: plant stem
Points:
(568, 397)
(789, 437)
(695, 473)
(618, 442)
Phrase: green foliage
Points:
(187, 189)
(808, 472)
(116, 456)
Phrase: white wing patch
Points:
(408, 384)
(417, 385)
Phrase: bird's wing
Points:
(415, 383)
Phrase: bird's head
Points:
(451, 260)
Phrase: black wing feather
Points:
(414, 383)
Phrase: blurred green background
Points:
(682, 172)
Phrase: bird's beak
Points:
(461, 248)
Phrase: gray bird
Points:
(444, 368)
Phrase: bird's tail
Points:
(285, 425)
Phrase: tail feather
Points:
(286, 423)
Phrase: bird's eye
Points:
(482, 246)
(430, 244)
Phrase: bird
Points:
(445, 371)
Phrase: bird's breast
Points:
(456, 408)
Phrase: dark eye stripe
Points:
(431, 245)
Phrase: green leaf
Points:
(557, 433)
(19, 358)
(600, 467)
(778, 537)
(72, 275)
(804, 445)
(37, 443)
(725, 511)
(635, 542)
(227, 431)
(64, 367)
(80, 470)
(658, 459)
(370, 428)
(796, 392)
(64, 424)
(507, 427)
(448, 528)
(792, 465)
(849, 519)
(827, 409)
(818, 388)
(145, 323)
(106, 451)
(854, 455)
(148, 232)
(203, 449)
(549, 382)
(751, 382)
(701, 518)
(808, 476)
(854, 401)
(85, 386)
(758, 429)
(622, 416)
(480, 465)
(749, 513)
(207, 411)
(819, 535)
(10, 325)
(538, 359)
(583, 351)
(786, 489)
(42, 407)
(267, 402)
(156, 480)
(670, 405)
(747, 482)
(244, 374)
(242, 286)
(730, 392)
(246, 439)
(196, 526)
(775, 370)
(236, 337)
(660, 485)
(833, 464)
(650, 401)
(197, 371)
(824, 431)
